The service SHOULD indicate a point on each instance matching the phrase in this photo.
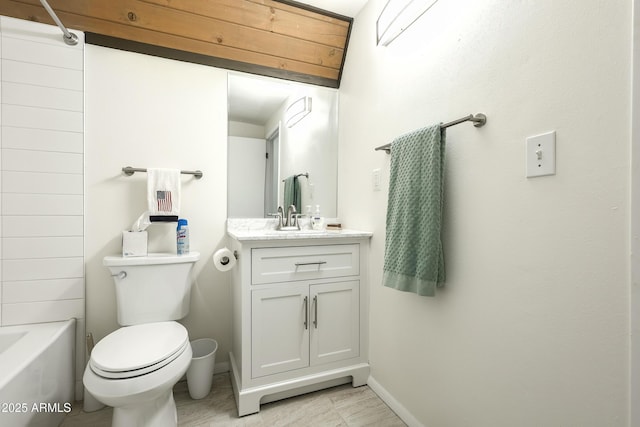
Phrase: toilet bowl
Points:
(134, 369)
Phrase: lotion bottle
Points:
(317, 219)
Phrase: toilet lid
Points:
(137, 350)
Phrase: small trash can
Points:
(200, 372)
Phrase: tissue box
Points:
(134, 243)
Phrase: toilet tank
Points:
(152, 288)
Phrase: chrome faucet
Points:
(280, 216)
(291, 217)
(290, 222)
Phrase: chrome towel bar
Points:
(128, 170)
(478, 120)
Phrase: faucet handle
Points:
(279, 215)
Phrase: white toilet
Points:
(134, 368)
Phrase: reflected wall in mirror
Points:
(264, 150)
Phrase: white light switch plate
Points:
(541, 155)
(375, 178)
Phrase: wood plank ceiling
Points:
(275, 38)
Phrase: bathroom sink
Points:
(294, 232)
(243, 230)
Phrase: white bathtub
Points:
(36, 373)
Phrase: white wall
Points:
(42, 178)
(248, 130)
(246, 177)
(144, 111)
(245, 170)
(532, 327)
(635, 225)
(42, 166)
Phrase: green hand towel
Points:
(292, 193)
(413, 259)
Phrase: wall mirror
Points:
(279, 129)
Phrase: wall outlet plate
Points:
(541, 155)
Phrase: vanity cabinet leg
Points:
(248, 404)
(360, 376)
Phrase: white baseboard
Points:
(392, 403)
(221, 367)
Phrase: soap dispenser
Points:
(316, 222)
(309, 217)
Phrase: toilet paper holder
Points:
(225, 260)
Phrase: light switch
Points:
(541, 155)
(375, 178)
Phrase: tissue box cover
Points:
(134, 243)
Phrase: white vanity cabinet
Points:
(300, 325)
(300, 315)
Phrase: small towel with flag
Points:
(163, 192)
(414, 259)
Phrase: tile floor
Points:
(337, 406)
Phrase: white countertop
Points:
(265, 229)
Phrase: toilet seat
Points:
(133, 351)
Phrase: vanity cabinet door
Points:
(279, 329)
(334, 322)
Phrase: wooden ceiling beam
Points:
(265, 35)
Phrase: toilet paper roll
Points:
(224, 260)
